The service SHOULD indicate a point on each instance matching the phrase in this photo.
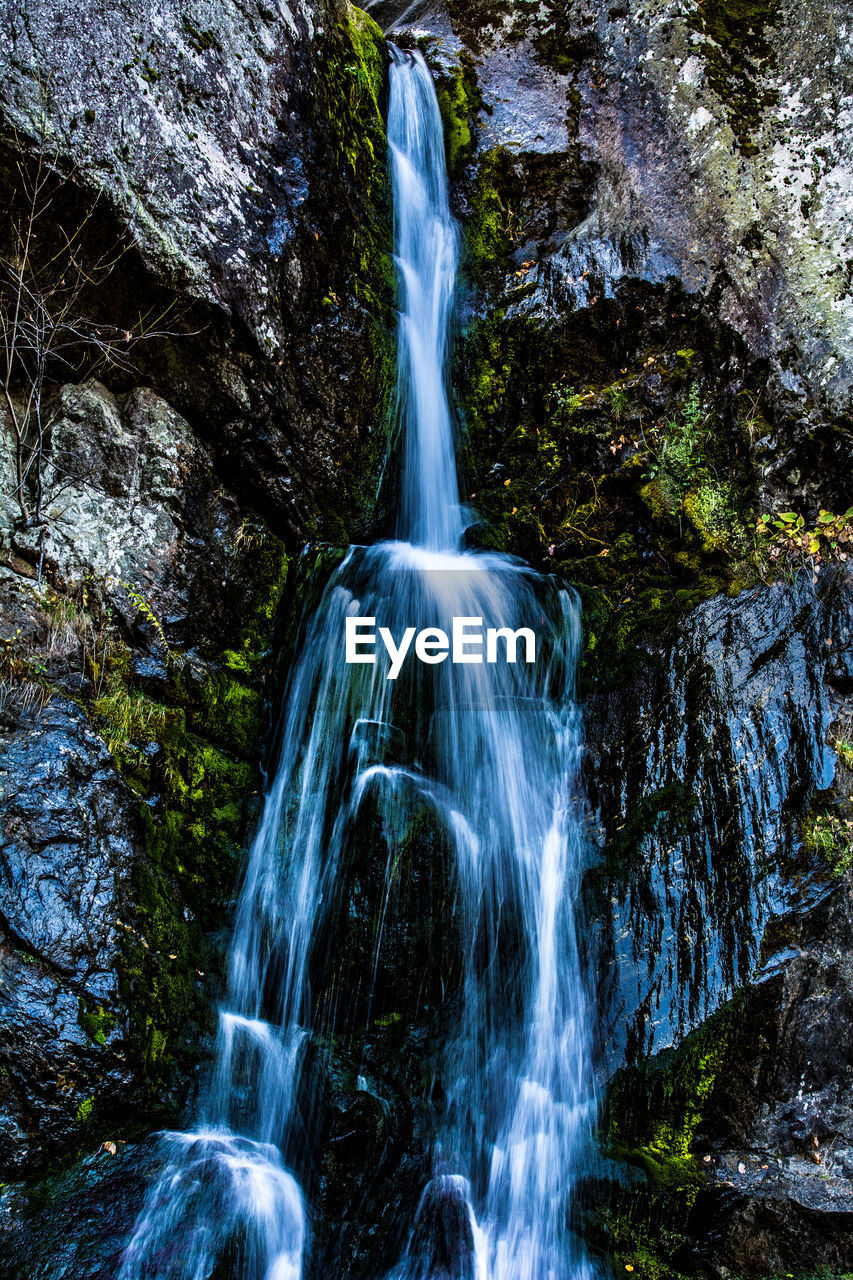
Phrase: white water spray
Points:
(492, 754)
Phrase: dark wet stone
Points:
(442, 1246)
(75, 1225)
(699, 772)
(66, 851)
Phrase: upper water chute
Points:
(425, 245)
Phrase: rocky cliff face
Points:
(722, 953)
(654, 352)
(237, 153)
(217, 177)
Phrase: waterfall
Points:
(425, 257)
(489, 750)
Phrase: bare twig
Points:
(46, 335)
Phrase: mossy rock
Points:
(460, 102)
(192, 754)
(736, 51)
(650, 1119)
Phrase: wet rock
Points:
(764, 1215)
(728, 934)
(76, 1227)
(710, 155)
(229, 162)
(117, 479)
(136, 517)
(443, 1241)
(779, 1124)
(103, 961)
(67, 849)
(698, 773)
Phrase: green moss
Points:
(647, 516)
(231, 713)
(192, 755)
(735, 51)
(657, 501)
(682, 489)
(492, 223)
(511, 456)
(84, 1111)
(649, 1120)
(370, 48)
(198, 40)
(261, 567)
(715, 510)
(459, 101)
(666, 812)
(128, 716)
(95, 1020)
(351, 93)
(636, 1250)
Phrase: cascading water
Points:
(425, 241)
(489, 749)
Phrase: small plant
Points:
(844, 751)
(143, 607)
(791, 540)
(22, 672)
(713, 510)
(564, 404)
(619, 402)
(677, 461)
(84, 1111)
(67, 624)
(831, 836)
(129, 716)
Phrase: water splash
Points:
(491, 750)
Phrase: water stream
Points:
(489, 750)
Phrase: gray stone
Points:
(201, 161)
